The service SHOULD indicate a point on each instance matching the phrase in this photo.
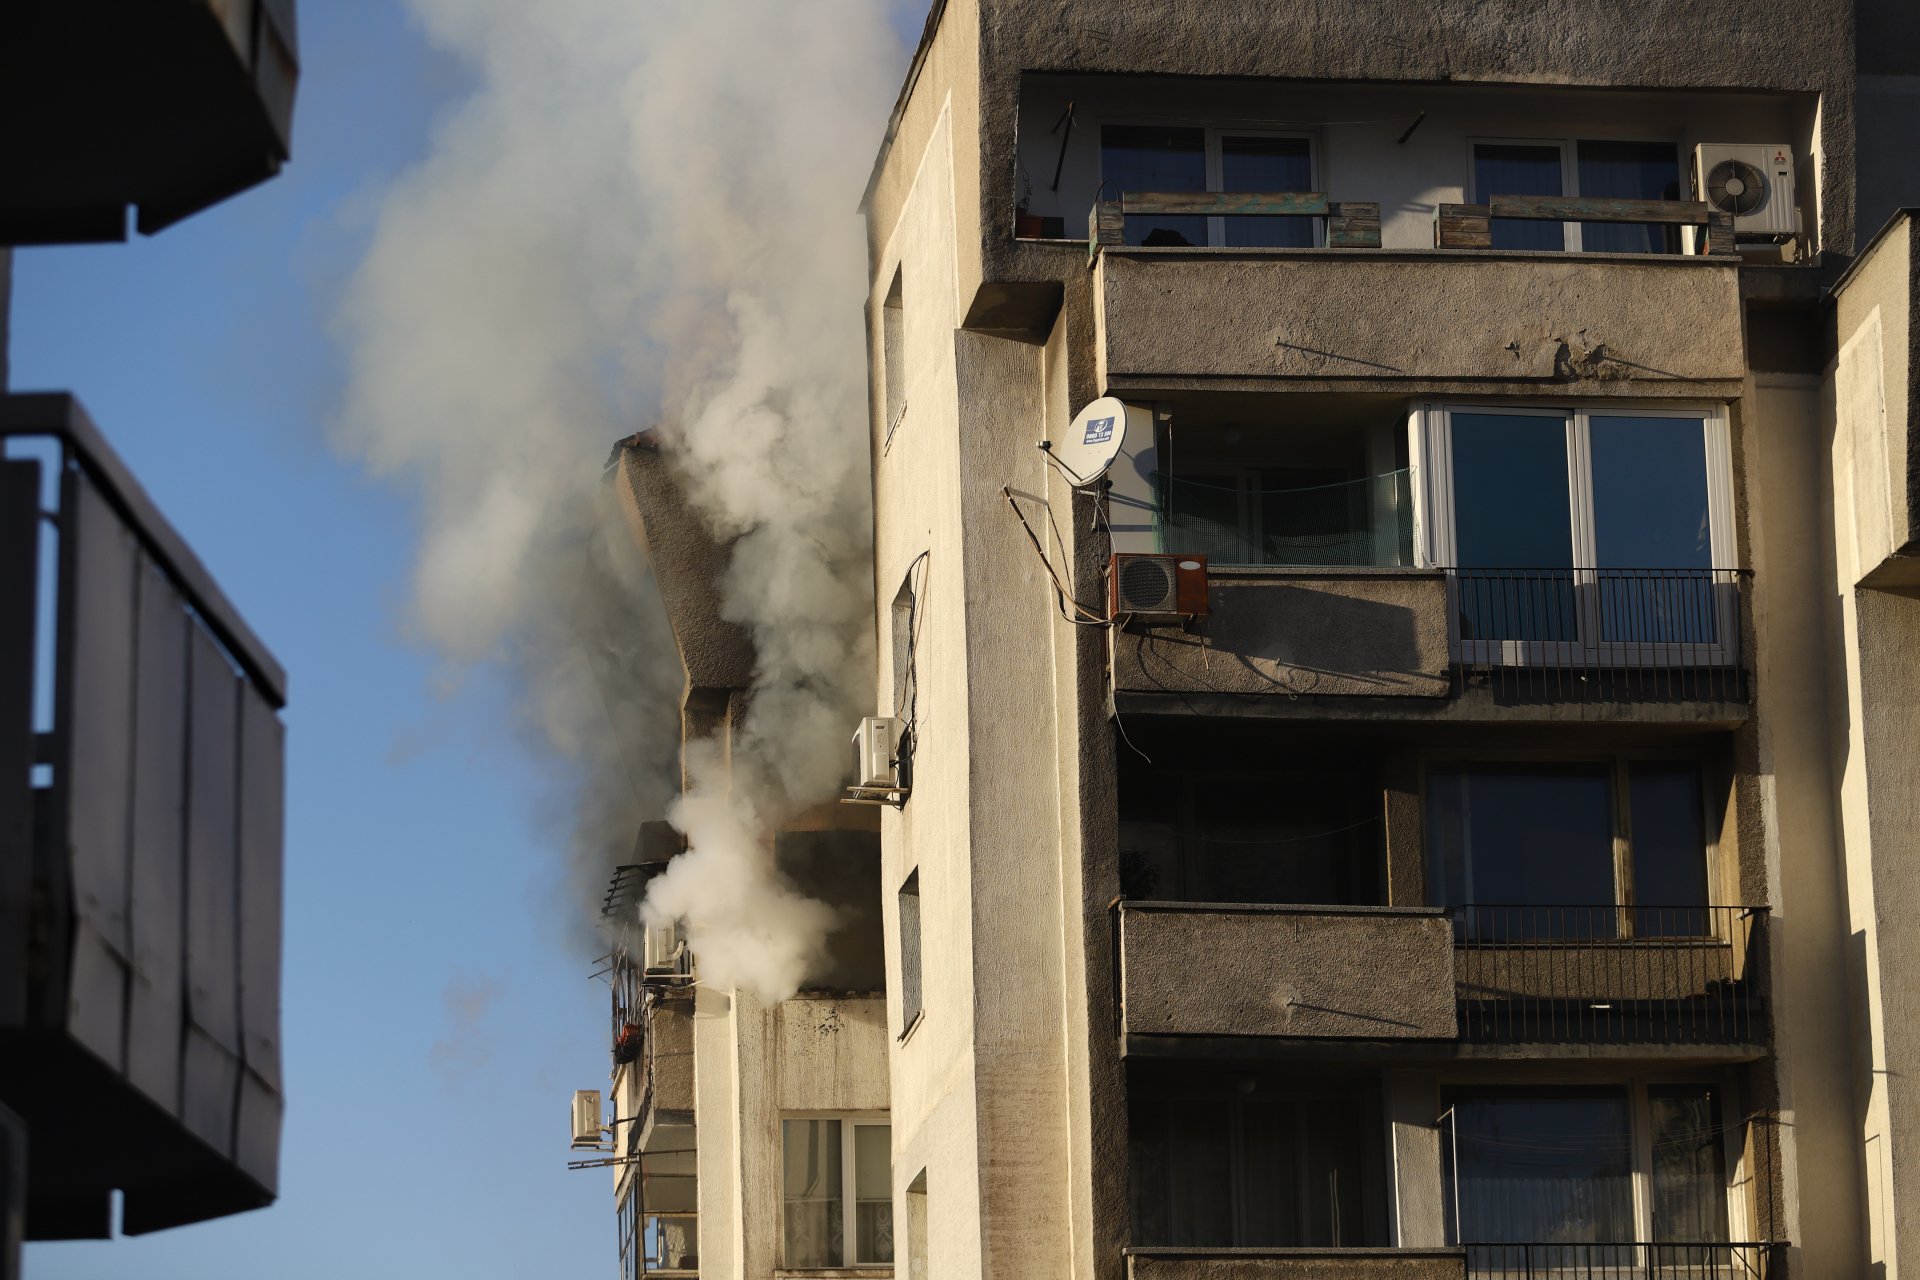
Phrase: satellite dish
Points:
(1093, 441)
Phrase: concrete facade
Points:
(1057, 750)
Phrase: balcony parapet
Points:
(1294, 1264)
(1360, 632)
(141, 774)
(1227, 969)
(1439, 321)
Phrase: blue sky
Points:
(437, 1014)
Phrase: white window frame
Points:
(1640, 1121)
(1215, 167)
(1431, 451)
(849, 1199)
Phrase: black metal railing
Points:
(1676, 1260)
(1599, 635)
(1611, 974)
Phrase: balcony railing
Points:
(1667, 1260)
(1470, 226)
(1611, 974)
(1599, 635)
(1351, 224)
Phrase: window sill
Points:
(834, 1273)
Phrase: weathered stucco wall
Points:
(1875, 616)
(916, 485)
(1609, 326)
(831, 1054)
(1319, 972)
(1364, 634)
(1872, 393)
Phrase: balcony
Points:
(141, 766)
(1612, 975)
(1295, 1264)
(1252, 319)
(1229, 969)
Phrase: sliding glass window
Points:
(1579, 533)
(1523, 850)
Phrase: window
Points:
(828, 1164)
(905, 619)
(1576, 533)
(917, 1227)
(893, 356)
(1301, 833)
(1589, 167)
(1192, 158)
(1321, 485)
(910, 952)
(1580, 849)
(1220, 1159)
(627, 1218)
(1580, 1166)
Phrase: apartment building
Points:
(1440, 804)
(745, 1139)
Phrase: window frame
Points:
(1569, 145)
(1215, 167)
(1731, 1120)
(850, 1121)
(1430, 448)
(1620, 770)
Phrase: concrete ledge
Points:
(1545, 318)
(1296, 1264)
(1217, 969)
(1354, 633)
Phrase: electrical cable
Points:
(1062, 594)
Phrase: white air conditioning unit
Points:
(876, 752)
(1157, 586)
(1751, 181)
(664, 950)
(586, 1119)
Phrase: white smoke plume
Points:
(644, 213)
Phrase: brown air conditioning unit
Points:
(1157, 586)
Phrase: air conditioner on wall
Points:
(586, 1119)
(1751, 181)
(876, 753)
(1157, 586)
(663, 950)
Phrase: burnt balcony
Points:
(1682, 975)
(141, 769)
